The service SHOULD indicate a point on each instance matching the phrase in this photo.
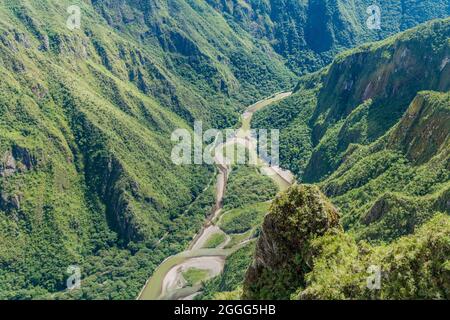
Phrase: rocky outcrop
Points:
(283, 255)
(18, 159)
(384, 80)
(10, 202)
(425, 127)
(443, 202)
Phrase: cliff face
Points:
(282, 254)
(367, 91)
(424, 129)
(358, 98)
(309, 33)
(380, 147)
(302, 253)
(195, 44)
(364, 129)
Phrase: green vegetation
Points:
(246, 186)
(194, 276)
(240, 237)
(198, 45)
(229, 284)
(378, 146)
(86, 116)
(244, 219)
(381, 156)
(86, 119)
(315, 259)
(246, 200)
(282, 257)
(386, 190)
(291, 117)
(215, 240)
(413, 267)
(308, 34)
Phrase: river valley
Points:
(168, 281)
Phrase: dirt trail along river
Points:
(167, 282)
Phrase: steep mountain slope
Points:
(309, 33)
(195, 43)
(84, 153)
(389, 187)
(303, 254)
(388, 175)
(340, 129)
(281, 258)
(358, 98)
(86, 176)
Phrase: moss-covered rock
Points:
(283, 253)
(413, 267)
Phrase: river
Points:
(167, 281)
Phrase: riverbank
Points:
(167, 281)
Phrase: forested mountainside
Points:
(308, 33)
(86, 176)
(357, 99)
(195, 43)
(372, 130)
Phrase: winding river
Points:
(167, 282)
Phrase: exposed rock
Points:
(24, 156)
(8, 165)
(444, 63)
(377, 211)
(10, 202)
(22, 38)
(45, 43)
(283, 255)
(19, 159)
(424, 128)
